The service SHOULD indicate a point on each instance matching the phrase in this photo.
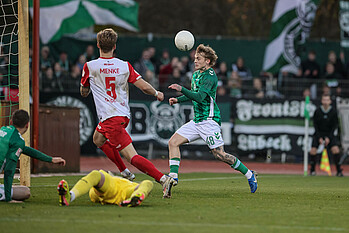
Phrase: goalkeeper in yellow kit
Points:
(105, 189)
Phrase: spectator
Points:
(61, 78)
(45, 59)
(234, 84)
(150, 77)
(73, 83)
(338, 64)
(257, 90)
(222, 73)
(191, 61)
(331, 76)
(163, 61)
(64, 62)
(310, 67)
(90, 53)
(81, 61)
(185, 64)
(144, 63)
(152, 55)
(243, 71)
(221, 90)
(167, 70)
(49, 81)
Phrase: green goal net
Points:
(8, 59)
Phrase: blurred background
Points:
(272, 54)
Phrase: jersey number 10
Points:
(110, 86)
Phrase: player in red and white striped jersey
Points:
(108, 77)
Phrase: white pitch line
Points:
(172, 224)
(194, 179)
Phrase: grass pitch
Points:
(202, 202)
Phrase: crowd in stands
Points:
(235, 79)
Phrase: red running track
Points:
(187, 166)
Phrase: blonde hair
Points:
(208, 53)
(107, 39)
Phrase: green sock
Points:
(239, 166)
(174, 166)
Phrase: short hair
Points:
(20, 118)
(208, 53)
(107, 39)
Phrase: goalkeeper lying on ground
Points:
(105, 189)
(12, 145)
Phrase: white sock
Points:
(72, 196)
(248, 174)
(173, 175)
(125, 172)
(163, 179)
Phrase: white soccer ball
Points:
(184, 40)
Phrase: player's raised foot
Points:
(253, 182)
(167, 186)
(133, 201)
(63, 192)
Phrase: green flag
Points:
(291, 24)
(59, 17)
(306, 108)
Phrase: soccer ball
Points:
(184, 40)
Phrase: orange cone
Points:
(325, 163)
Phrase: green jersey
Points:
(208, 109)
(11, 146)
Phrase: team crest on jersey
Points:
(2, 133)
(165, 121)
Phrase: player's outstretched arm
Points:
(148, 89)
(196, 96)
(43, 157)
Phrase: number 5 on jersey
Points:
(110, 86)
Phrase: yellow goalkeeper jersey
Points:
(113, 191)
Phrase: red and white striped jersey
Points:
(108, 79)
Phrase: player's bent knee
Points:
(173, 143)
(98, 139)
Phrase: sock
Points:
(111, 152)
(336, 159)
(174, 167)
(72, 196)
(144, 187)
(312, 162)
(248, 174)
(86, 183)
(162, 179)
(145, 166)
(125, 172)
(240, 167)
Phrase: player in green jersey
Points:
(207, 118)
(11, 146)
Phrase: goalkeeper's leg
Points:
(94, 178)
(140, 193)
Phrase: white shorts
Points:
(208, 130)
